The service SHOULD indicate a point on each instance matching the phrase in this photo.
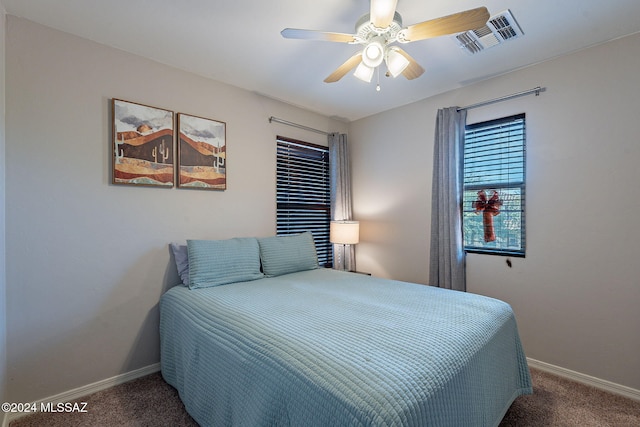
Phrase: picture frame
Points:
(142, 145)
(202, 153)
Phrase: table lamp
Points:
(344, 233)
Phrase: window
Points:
(494, 187)
(303, 193)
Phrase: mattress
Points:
(330, 348)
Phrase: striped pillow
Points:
(218, 262)
(288, 254)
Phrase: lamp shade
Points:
(344, 232)
(363, 72)
(373, 52)
(396, 63)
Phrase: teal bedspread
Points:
(329, 348)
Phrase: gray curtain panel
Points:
(447, 257)
(341, 207)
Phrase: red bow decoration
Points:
(489, 209)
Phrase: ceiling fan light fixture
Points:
(396, 62)
(364, 72)
(373, 54)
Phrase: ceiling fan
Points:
(378, 30)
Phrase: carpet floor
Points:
(149, 401)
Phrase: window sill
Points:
(496, 252)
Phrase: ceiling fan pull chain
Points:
(378, 85)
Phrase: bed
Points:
(320, 347)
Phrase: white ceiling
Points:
(238, 42)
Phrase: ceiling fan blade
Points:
(342, 70)
(458, 22)
(294, 33)
(382, 12)
(413, 70)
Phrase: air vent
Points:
(499, 29)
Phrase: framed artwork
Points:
(143, 150)
(202, 153)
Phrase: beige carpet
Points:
(559, 402)
(149, 401)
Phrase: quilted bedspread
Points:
(330, 348)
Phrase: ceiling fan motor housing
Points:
(365, 30)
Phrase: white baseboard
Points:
(86, 390)
(598, 383)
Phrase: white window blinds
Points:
(494, 186)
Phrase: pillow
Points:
(218, 262)
(288, 254)
(181, 257)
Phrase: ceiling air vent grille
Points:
(499, 28)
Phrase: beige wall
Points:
(577, 292)
(87, 261)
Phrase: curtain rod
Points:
(295, 125)
(535, 90)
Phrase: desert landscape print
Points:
(202, 153)
(142, 145)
